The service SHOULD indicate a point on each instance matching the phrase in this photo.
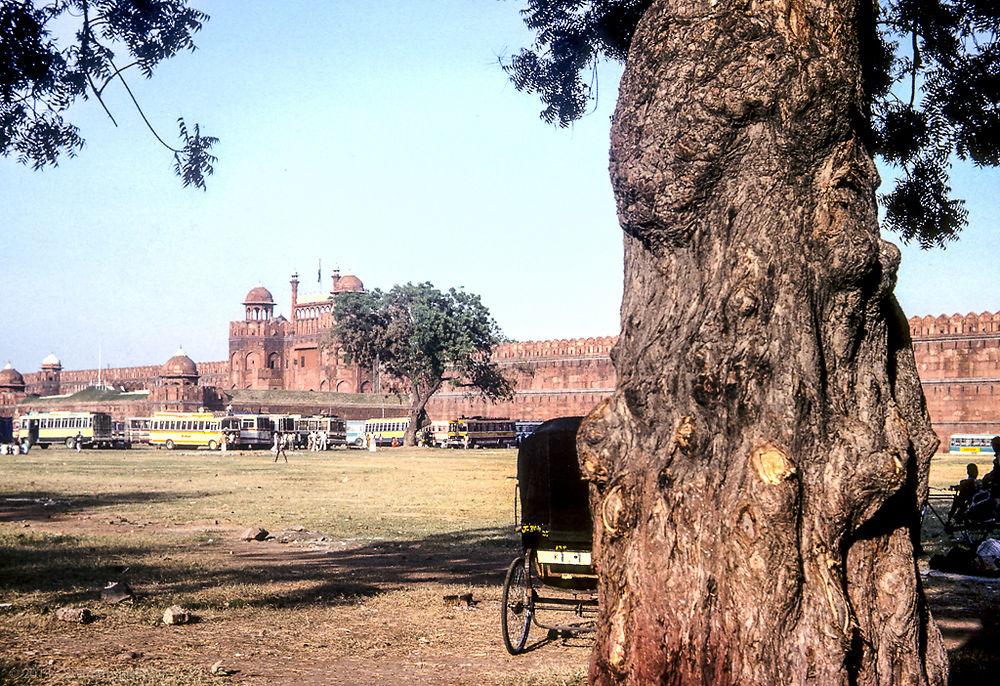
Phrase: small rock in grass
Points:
(254, 533)
(81, 615)
(175, 614)
(218, 670)
(115, 592)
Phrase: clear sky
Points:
(380, 137)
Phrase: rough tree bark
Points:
(758, 472)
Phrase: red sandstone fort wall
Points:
(958, 359)
(957, 356)
(552, 379)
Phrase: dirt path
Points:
(305, 609)
(308, 610)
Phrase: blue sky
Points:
(378, 137)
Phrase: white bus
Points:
(53, 428)
(977, 444)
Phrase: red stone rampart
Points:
(552, 379)
(958, 359)
(956, 324)
(957, 356)
(131, 378)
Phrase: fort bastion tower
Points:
(271, 352)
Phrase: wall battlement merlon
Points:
(930, 326)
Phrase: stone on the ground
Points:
(254, 533)
(218, 670)
(115, 592)
(80, 615)
(464, 600)
(175, 614)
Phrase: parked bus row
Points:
(173, 430)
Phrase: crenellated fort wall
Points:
(553, 379)
(957, 357)
(128, 378)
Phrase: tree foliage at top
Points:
(422, 338)
(41, 75)
(932, 81)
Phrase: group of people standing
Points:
(318, 441)
(285, 440)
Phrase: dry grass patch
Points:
(372, 545)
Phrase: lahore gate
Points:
(958, 358)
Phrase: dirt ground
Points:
(347, 613)
(354, 614)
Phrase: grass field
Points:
(402, 493)
(373, 542)
(376, 540)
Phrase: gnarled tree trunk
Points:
(758, 473)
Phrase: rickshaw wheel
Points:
(517, 607)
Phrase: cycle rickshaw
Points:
(554, 573)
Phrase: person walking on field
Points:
(279, 448)
(78, 441)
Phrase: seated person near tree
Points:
(966, 489)
(985, 502)
(991, 481)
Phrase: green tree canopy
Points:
(423, 339)
(932, 82)
(42, 74)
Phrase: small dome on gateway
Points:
(179, 365)
(349, 282)
(259, 295)
(51, 361)
(11, 378)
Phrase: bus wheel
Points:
(212, 445)
(169, 444)
(70, 442)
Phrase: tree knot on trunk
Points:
(796, 21)
(684, 434)
(620, 619)
(615, 513)
(771, 463)
(845, 190)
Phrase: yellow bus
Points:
(51, 428)
(387, 429)
(481, 432)
(191, 430)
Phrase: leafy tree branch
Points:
(41, 76)
(952, 66)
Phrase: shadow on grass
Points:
(32, 506)
(59, 569)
